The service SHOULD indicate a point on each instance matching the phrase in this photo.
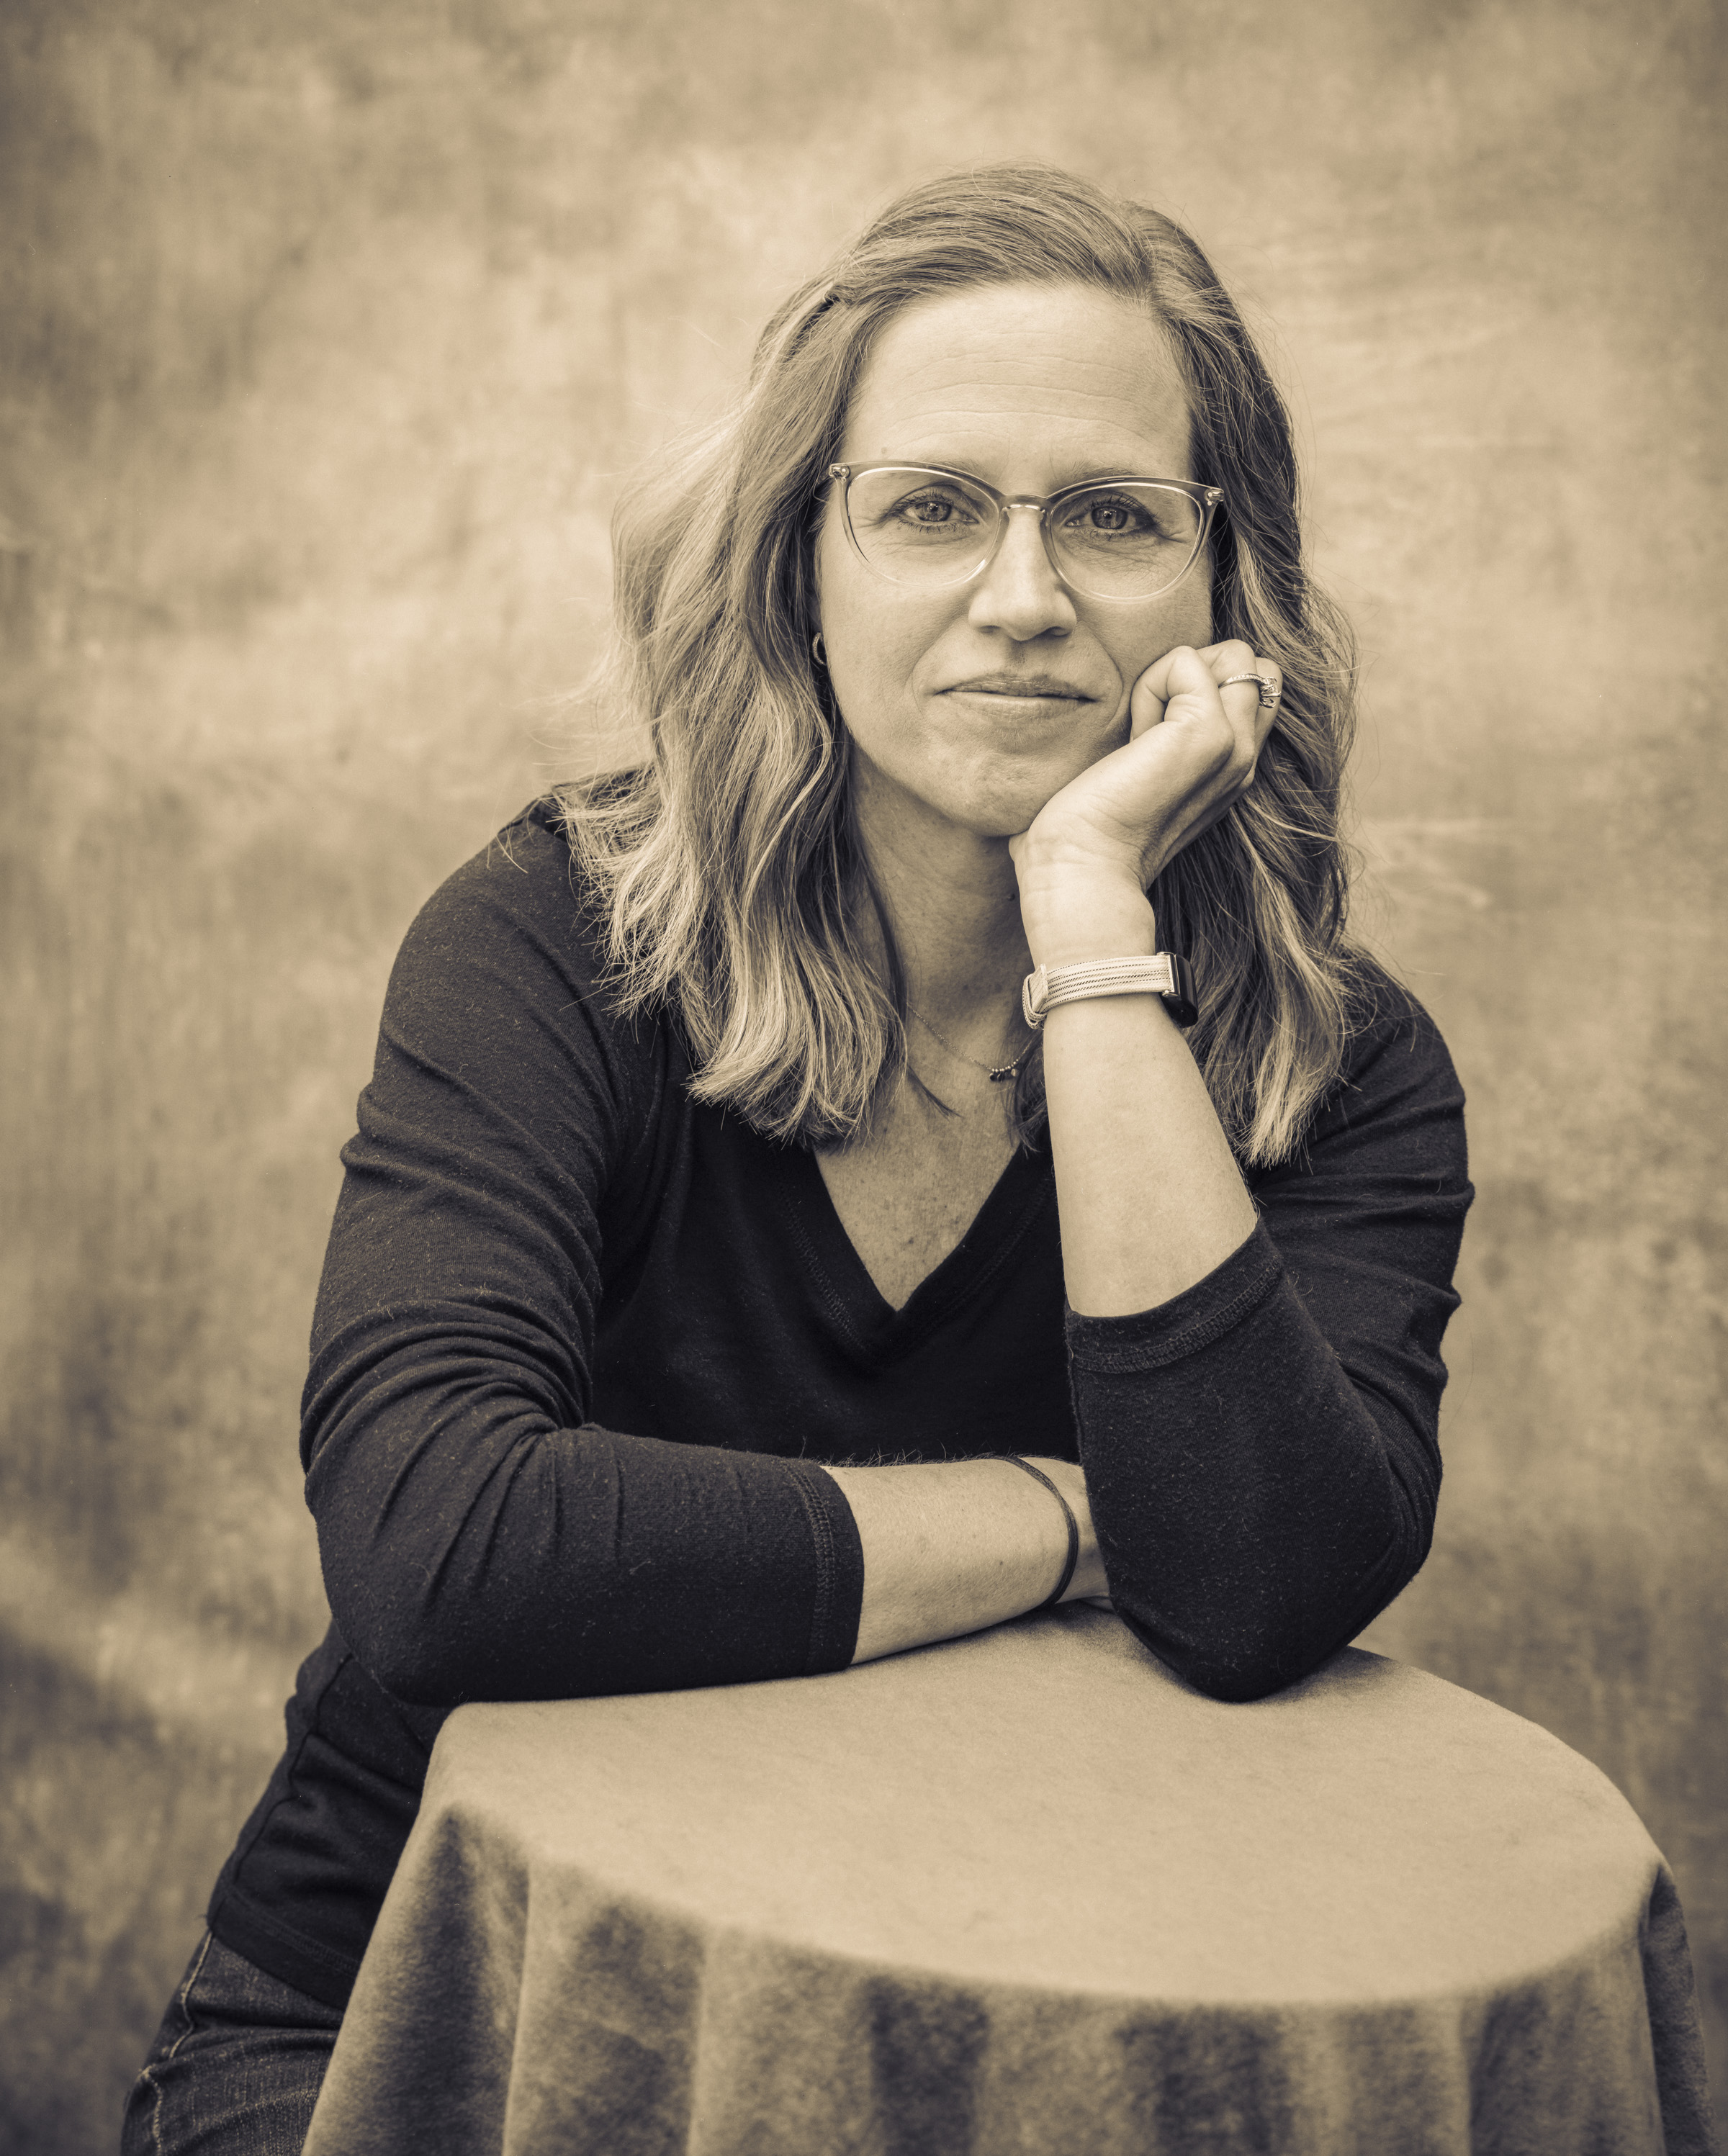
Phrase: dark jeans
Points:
(236, 2065)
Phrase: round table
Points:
(1022, 1892)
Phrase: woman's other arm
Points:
(1261, 1449)
(1260, 1440)
(1151, 1197)
(1258, 1403)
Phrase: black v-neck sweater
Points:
(580, 1346)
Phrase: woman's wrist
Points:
(951, 1547)
(1079, 901)
(1072, 922)
(1069, 1477)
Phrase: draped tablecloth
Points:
(1022, 1893)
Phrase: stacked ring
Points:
(1270, 691)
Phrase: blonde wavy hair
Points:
(730, 884)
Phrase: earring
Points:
(819, 650)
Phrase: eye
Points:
(934, 509)
(1109, 516)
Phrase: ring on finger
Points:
(1270, 689)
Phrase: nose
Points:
(1019, 591)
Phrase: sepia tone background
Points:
(326, 335)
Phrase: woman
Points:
(766, 1113)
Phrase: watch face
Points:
(1179, 1001)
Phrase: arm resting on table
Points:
(506, 1558)
(1257, 1509)
(1261, 1447)
(482, 1536)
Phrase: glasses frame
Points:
(1208, 500)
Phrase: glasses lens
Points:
(916, 527)
(1126, 539)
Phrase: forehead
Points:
(1028, 386)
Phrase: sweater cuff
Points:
(840, 1569)
(1193, 1320)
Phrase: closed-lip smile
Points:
(1027, 686)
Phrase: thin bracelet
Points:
(1038, 1474)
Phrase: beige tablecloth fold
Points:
(1022, 1895)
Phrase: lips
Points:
(1028, 686)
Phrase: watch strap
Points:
(1165, 974)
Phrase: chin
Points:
(1002, 811)
(1004, 800)
(994, 793)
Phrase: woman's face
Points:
(974, 704)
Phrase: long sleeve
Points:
(481, 1538)
(1261, 1452)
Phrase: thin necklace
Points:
(999, 1074)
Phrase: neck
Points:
(955, 904)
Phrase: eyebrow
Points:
(1092, 475)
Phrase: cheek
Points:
(1197, 614)
(1192, 599)
(875, 637)
(871, 664)
(1182, 616)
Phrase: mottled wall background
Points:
(326, 333)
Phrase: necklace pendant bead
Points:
(999, 1074)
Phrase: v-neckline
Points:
(858, 1307)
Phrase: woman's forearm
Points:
(1150, 1197)
(952, 1547)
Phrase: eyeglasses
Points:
(926, 528)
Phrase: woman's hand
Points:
(1086, 858)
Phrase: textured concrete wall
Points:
(325, 333)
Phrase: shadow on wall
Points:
(325, 337)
